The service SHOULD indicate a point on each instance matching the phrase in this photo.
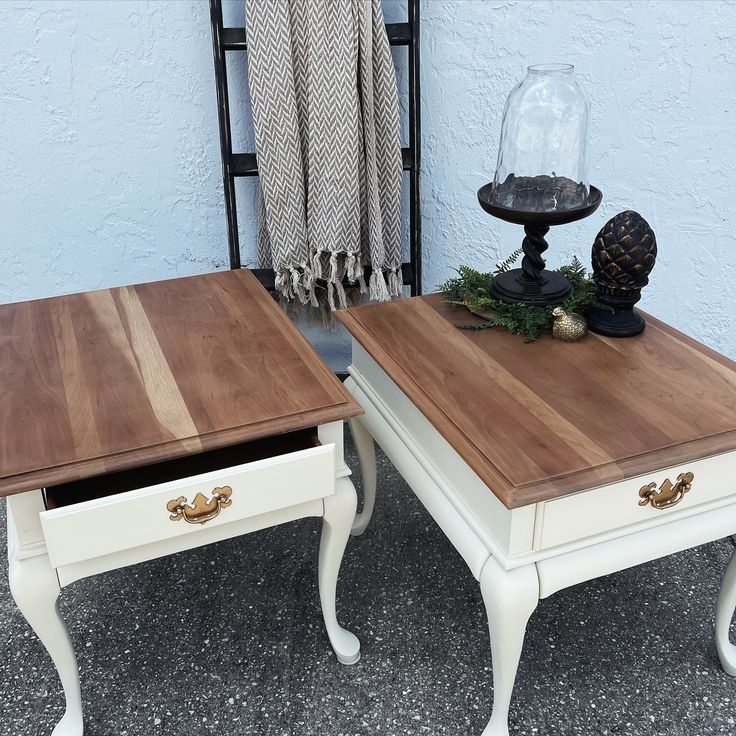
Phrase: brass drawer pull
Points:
(200, 511)
(669, 493)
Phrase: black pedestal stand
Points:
(622, 322)
(532, 283)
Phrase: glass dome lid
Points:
(542, 157)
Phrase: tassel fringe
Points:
(333, 268)
(342, 302)
(317, 265)
(377, 290)
(395, 283)
(350, 267)
(298, 286)
(354, 268)
(283, 284)
(301, 283)
(295, 283)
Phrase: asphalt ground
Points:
(228, 639)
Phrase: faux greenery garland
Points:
(472, 289)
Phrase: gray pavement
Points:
(228, 639)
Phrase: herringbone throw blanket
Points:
(326, 118)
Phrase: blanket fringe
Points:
(377, 290)
(317, 265)
(350, 262)
(333, 267)
(302, 283)
(314, 275)
(295, 283)
(354, 269)
(283, 284)
(298, 285)
(313, 300)
(342, 302)
(395, 284)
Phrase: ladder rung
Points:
(407, 159)
(233, 39)
(399, 34)
(245, 164)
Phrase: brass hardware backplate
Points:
(669, 493)
(200, 510)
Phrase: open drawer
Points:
(100, 516)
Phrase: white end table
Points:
(142, 421)
(547, 464)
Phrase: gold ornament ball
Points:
(568, 327)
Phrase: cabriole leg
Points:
(724, 614)
(510, 599)
(366, 449)
(339, 514)
(35, 588)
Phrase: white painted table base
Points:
(35, 582)
(505, 549)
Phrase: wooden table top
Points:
(120, 378)
(542, 420)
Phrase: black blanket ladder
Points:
(245, 164)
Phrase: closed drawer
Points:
(116, 521)
(648, 499)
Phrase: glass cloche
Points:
(542, 157)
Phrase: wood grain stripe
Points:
(33, 414)
(160, 385)
(504, 380)
(81, 412)
(719, 366)
(488, 471)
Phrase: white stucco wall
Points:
(109, 161)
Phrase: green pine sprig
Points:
(503, 266)
(472, 289)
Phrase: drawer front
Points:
(94, 528)
(648, 499)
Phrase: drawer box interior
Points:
(89, 489)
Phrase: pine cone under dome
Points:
(624, 253)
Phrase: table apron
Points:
(25, 507)
(636, 548)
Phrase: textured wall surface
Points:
(661, 82)
(110, 171)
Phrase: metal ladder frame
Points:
(245, 164)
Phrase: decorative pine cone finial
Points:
(624, 253)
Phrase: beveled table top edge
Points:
(516, 496)
(342, 406)
(140, 457)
